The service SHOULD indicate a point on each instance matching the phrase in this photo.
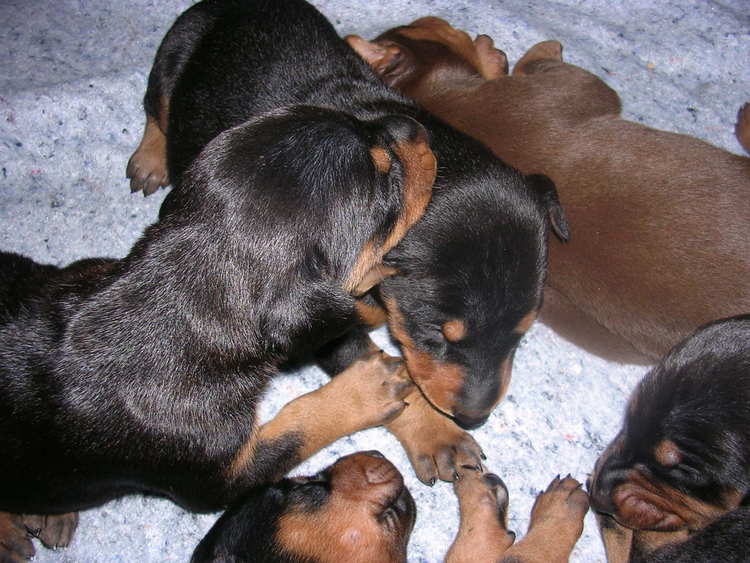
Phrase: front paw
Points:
(436, 446)
(380, 383)
(15, 544)
(147, 168)
(561, 507)
(483, 534)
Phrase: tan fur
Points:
(344, 528)
(149, 161)
(420, 167)
(381, 159)
(16, 545)
(679, 510)
(371, 315)
(667, 453)
(658, 220)
(556, 524)
(439, 381)
(368, 393)
(436, 446)
(454, 331)
(525, 323)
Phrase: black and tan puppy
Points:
(359, 511)
(143, 374)
(467, 282)
(674, 484)
(658, 219)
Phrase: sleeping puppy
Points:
(142, 375)
(674, 484)
(359, 511)
(658, 219)
(464, 286)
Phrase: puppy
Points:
(658, 219)
(142, 375)
(359, 511)
(467, 282)
(674, 483)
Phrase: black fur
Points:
(142, 374)
(697, 397)
(479, 254)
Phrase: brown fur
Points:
(436, 446)
(369, 393)
(556, 522)
(439, 381)
(148, 165)
(342, 529)
(658, 220)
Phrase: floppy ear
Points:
(548, 194)
(378, 55)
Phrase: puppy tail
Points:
(742, 128)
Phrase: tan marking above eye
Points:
(381, 159)
(667, 453)
(454, 330)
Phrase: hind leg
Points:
(15, 544)
(52, 530)
(147, 168)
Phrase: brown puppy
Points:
(358, 510)
(658, 220)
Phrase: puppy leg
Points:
(617, 539)
(436, 446)
(147, 168)
(483, 535)
(556, 524)
(15, 545)
(369, 393)
(52, 530)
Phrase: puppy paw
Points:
(15, 544)
(493, 63)
(561, 508)
(482, 496)
(483, 505)
(436, 446)
(52, 530)
(147, 168)
(377, 386)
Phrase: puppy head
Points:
(682, 458)
(316, 190)
(428, 52)
(356, 510)
(469, 285)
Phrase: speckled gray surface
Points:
(71, 80)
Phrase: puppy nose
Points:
(469, 422)
(600, 490)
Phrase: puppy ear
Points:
(378, 55)
(548, 194)
(373, 277)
